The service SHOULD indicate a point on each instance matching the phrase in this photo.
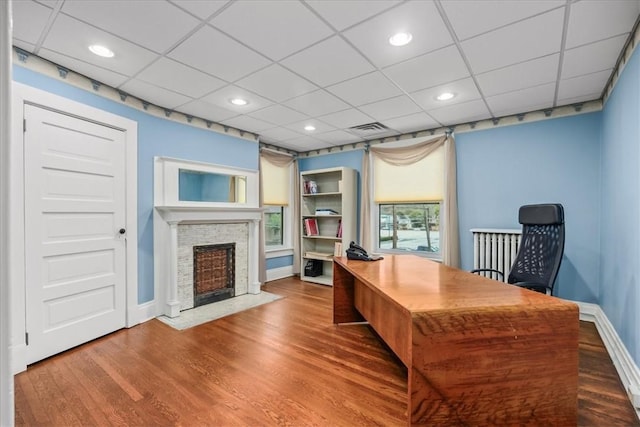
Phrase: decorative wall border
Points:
(48, 68)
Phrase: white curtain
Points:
(402, 156)
(282, 161)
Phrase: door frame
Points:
(23, 94)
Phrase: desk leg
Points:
(344, 310)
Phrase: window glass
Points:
(411, 227)
(274, 226)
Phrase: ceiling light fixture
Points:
(100, 50)
(400, 39)
(309, 128)
(445, 96)
(238, 101)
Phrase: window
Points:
(277, 194)
(274, 226)
(408, 199)
(409, 227)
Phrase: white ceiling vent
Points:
(369, 129)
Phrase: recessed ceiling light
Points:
(238, 101)
(445, 96)
(309, 128)
(100, 50)
(400, 39)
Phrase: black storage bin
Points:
(313, 268)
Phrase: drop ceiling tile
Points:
(586, 23)
(347, 118)
(280, 134)
(593, 57)
(206, 111)
(275, 28)
(156, 95)
(519, 76)
(465, 90)
(579, 99)
(412, 122)
(442, 66)
(23, 45)
(29, 19)
(276, 83)
(461, 113)
(316, 103)
(212, 52)
(247, 123)
(530, 99)
(222, 96)
(305, 143)
(72, 38)
(278, 115)
(515, 43)
(328, 62)
(345, 13)
(155, 25)
(471, 17)
(174, 76)
(99, 74)
(583, 85)
(420, 18)
(359, 91)
(199, 8)
(389, 108)
(338, 137)
(319, 125)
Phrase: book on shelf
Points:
(323, 255)
(326, 211)
(310, 226)
(337, 249)
(310, 187)
(339, 232)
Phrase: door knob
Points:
(122, 231)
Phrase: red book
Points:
(311, 226)
(339, 233)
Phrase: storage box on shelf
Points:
(328, 216)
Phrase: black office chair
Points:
(541, 248)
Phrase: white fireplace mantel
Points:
(165, 232)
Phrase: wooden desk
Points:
(477, 351)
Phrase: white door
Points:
(74, 231)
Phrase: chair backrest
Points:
(540, 254)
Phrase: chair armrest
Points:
(489, 270)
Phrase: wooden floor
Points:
(283, 363)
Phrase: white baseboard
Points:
(147, 311)
(627, 369)
(279, 273)
(18, 357)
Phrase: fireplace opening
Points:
(213, 273)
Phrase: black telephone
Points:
(357, 252)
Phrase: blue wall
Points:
(156, 137)
(620, 208)
(551, 161)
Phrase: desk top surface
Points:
(419, 285)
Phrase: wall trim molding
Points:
(147, 311)
(625, 366)
(279, 273)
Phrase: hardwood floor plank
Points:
(282, 363)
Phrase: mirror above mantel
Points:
(187, 183)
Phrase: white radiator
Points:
(496, 249)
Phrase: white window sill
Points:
(432, 257)
(277, 252)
